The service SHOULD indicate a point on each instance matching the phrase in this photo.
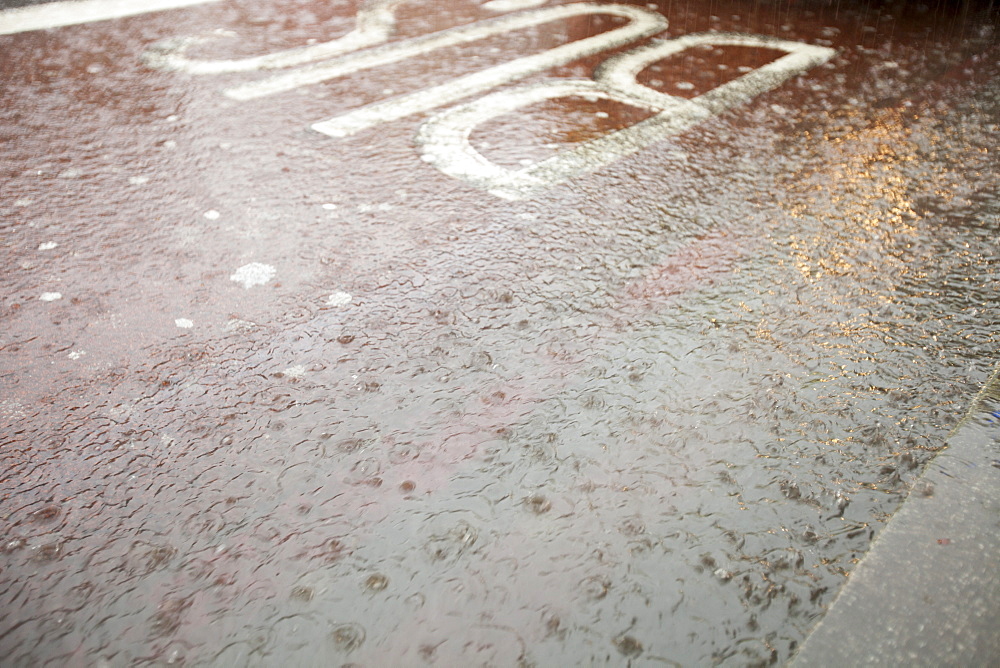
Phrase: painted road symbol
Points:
(77, 12)
(444, 138)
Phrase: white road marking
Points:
(515, 5)
(444, 139)
(643, 23)
(374, 24)
(76, 12)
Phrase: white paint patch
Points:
(183, 323)
(48, 245)
(76, 354)
(329, 206)
(59, 14)
(297, 372)
(253, 274)
(212, 214)
(50, 296)
(339, 299)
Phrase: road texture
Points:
(497, 333)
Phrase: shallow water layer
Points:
(270, 395)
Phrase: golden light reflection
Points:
(862, 202)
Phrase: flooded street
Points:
(515, 333)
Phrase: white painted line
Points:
(444, 138)
(374, 24)
(516, 5)
(642, 23)
(76, 12)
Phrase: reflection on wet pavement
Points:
(269, 396)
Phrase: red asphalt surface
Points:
(155, 189)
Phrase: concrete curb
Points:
(928, 592)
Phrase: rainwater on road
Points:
(302, 364)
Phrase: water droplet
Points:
(376, 582)
(628, 645)
(348, 637)
(595, 587)
(538, 504)
(302, 593)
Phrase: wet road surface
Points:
(300, 363)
